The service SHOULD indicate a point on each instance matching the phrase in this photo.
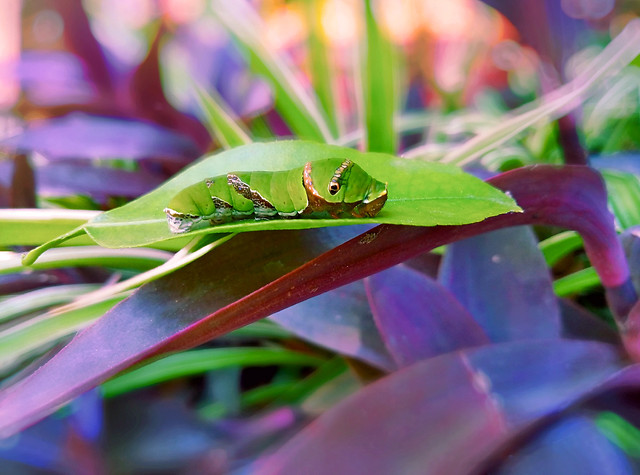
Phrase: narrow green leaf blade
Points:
(624, 196)
(577, 282)
(221, 123)
(557, 246)
(32, 227)
(321, 68)
(199, 361)
(296, 105)
(378, 88)
(618, 54)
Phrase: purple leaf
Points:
(54, 79)
(341, 320)
(170, 311)
(580, 324)
(148, 97)
(81, 41)
(257, 274)
(544, 26)
(631, 242)
(158, 435)
(225, 70)
(62, 179)
(573, 445)
(502, 279)
(417, 317)
(446, 414)
(84, 136)
(23, 192)
(624, 162)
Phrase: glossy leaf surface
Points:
(503, 280)
(446, 414)
(420, 194)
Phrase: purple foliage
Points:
(62, 179)
(503, 280)
(475, 376)
(448, 414)
(89, 137)
(624, 162)
(340, 320)
(197, 303)
(417, 317)
(545, 26)
(572, 445)
(54, 79)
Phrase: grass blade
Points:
(220, 122)
(199, 361)
(296, 105)
(378, 91)
(321, 71)
(618, 54)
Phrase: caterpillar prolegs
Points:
(325, 188)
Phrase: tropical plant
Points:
(460, 330)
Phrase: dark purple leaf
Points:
(631, 242)
(225, 70)
(54, 78)
(417, 317)
(446, 414)
(39, 447)
(573, 445)
(84, 136)
(580, 324)
(574, 152)
(62, 179)
(6, 171)
(341, 320)
(147, 96)
(158, 435)
(502, 279)
(630, 333)
(87, 415)
(23, 192)
(544, 26)
(258, 274)
(427, 263)
(81, 41)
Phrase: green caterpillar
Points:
(332, 187)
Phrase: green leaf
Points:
(624, 195)
(378, 88)
(297, 106)
(560, 245)
(321, 68)
(221, 123)
(19, 342)
(136, 259)
(42, 298)
(420, 194)
(199, 361)
(577, 282)
(29, 227)
(620, 431)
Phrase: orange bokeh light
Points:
(9, 52)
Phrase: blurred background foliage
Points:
(97, 107)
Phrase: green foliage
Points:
(420, 194)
